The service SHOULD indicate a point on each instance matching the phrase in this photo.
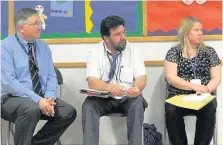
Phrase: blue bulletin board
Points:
(74, 21)
(81, 19)
(4, 19)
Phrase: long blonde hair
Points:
(185, 27)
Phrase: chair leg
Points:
(170, 142)
(143, 135)
(12, 131)
(9, 129)
(215, 136)
(61, 93)
(165, 137)
(58, 142)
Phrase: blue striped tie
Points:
(113, 66)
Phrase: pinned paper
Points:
(188, 2)
(61, 8)
(200, 1)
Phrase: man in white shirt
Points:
(117, 67)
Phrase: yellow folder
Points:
(196, 105)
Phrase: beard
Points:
(121, 45)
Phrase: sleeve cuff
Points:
(36, 98)
(140, 74)
(50, 94)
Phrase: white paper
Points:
(96, 91)
(195, 97)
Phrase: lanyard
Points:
(23, 47)
(195, 62)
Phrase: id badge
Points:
(196, 81)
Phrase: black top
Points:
(205, 60)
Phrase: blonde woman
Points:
(191, 67)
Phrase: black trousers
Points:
(25, 114)
(205, 123)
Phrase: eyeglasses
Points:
(36, 24)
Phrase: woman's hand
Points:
(199, 89)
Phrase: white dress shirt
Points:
(129, 65)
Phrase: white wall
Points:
(153, 91)
(113, 130)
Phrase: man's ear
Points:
(105, 38)
(21, 28)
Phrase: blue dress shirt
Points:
(16, 78)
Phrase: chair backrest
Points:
(59, 76)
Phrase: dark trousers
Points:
(94, 107)
(25, 114)
(205, 123)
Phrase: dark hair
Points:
(109, 23)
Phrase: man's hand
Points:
(116, 90)
(133, 92)
(52, 104)
(45, 106)
(52, 101)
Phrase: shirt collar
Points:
(107, 50)
(23, 41)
